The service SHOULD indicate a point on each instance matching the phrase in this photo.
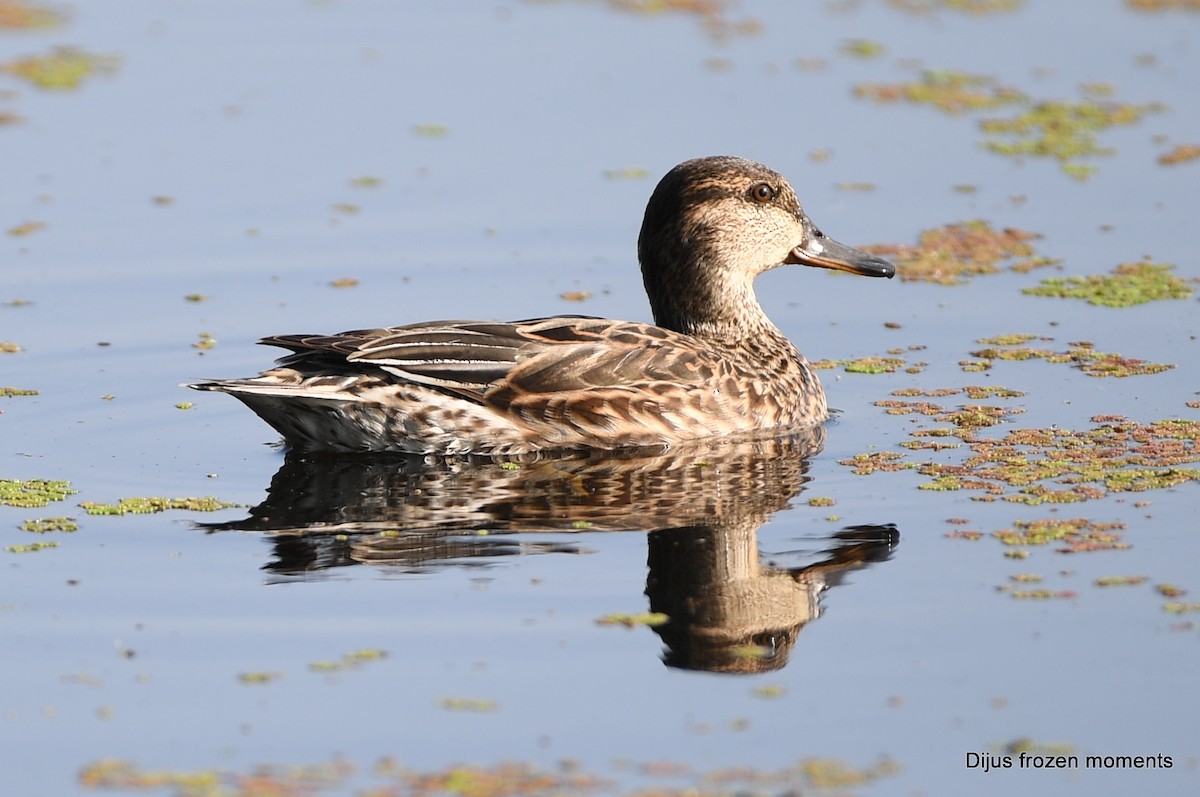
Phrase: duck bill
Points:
(827, 253)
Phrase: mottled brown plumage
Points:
(712, 365)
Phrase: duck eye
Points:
(762, 192)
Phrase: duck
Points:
(711, 366)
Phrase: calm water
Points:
(491, 128)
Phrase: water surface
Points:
(514, 146)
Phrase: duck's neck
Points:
(721, 310)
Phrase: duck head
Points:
(714, 224)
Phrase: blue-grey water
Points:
(494, 130)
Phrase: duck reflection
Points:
(728, 609)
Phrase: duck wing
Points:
(493, 362)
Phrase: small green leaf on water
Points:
(11, 392)
(258, 677)
(349, 661)
(651, 619)
(469, 704)
(26, 228)
(627, 173)
(184, 405)
(31, 548)
(770, 691)
(431, 130)
(862, 48)
(1043, 594)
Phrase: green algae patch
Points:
(863, 365)
(389, 776)
(471, 704)
(836, 775)
(1016, 339)
(32, 547)
(349, 661)
(26, 228)
(1053, 465)
(431, 130)
(953, 254)
(1081, 355)
(113, 774)
(1120, 581)
(33, 492)
(627, 173)
(63, 68)
(947, 90)
(1043, 594)
(651, 619)
(862, 48)
(1065, 130)
(971, 391)
(1128, 284)
(48, 524)
(12, 392)
(1073, 535)
(977, 416)
(964, 534)
(872, 462)
(146, 506)
(258, 677)
(205, 339)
